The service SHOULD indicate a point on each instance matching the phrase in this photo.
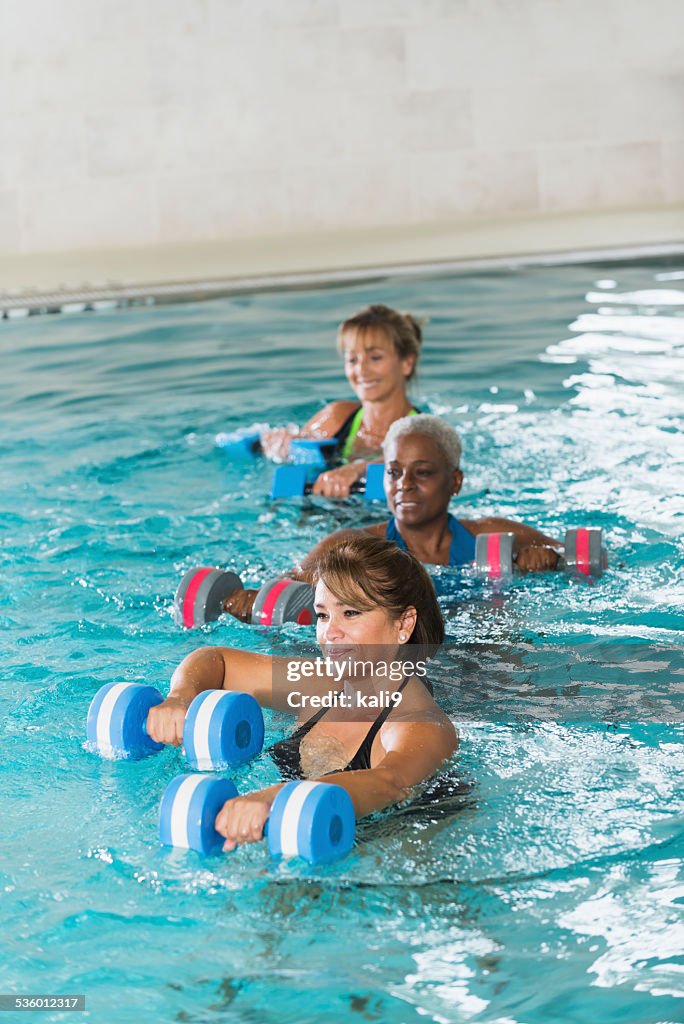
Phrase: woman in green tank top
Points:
(381, 348)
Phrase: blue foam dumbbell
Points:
(221, 728)
(188, 810)
(374, 488)
(305, 451)
(117, 720)
(309, 451)
(312, 820)
(240, 443)
(296, 481)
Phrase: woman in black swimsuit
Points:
(381, 348)
(381, 732)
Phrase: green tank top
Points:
(345, 454)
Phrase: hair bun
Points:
(416, 325)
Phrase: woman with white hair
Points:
(422, 474)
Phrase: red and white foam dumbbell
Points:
(583, 553)
(202, 593)
(281, 601)
(494, 554)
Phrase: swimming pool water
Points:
(548, 886)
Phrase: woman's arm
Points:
(414, 750)
(286, 684)
(337, 483)
(275, 443)
(209, 668)
(332, 483)
(533, 550)
(328, 421)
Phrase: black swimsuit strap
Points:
(286, 752)
(377, 725)
(307, 726)
(342, 434)
(301, 731)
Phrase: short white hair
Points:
(444, 436)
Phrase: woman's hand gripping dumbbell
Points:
(205, 593)
(582, 554)
(219, 728)
(312, 820)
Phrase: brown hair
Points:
(368, 573)
(402, 329)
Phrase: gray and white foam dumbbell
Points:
(280, 601)
(583, 553)
(202, 593)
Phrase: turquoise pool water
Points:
(548, 887)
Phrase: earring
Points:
(402, 637)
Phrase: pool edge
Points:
(194, 272)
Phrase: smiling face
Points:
(372, 365)
(342, 628)
(418, 483)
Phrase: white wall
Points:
(130, 122)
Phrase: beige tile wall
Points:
(136, 122)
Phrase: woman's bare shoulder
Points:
(328, 421)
